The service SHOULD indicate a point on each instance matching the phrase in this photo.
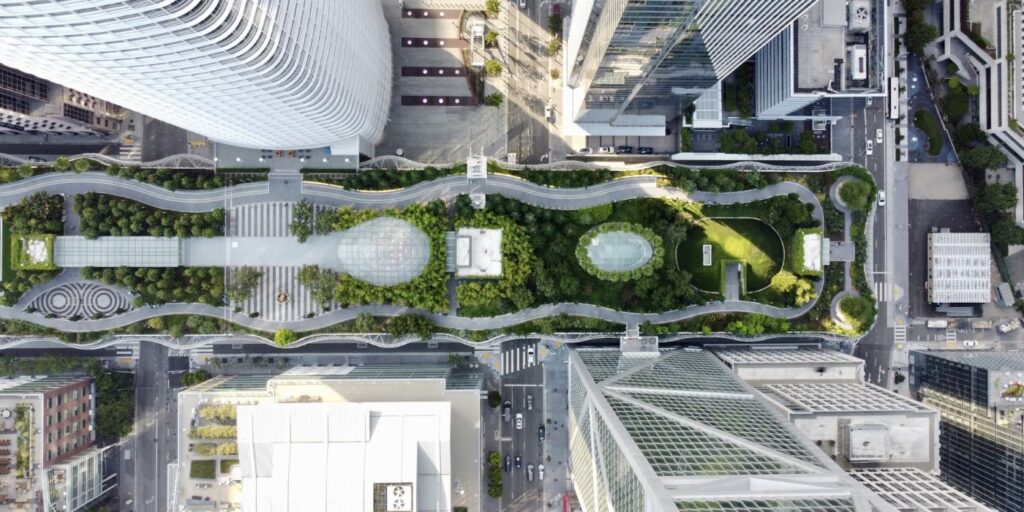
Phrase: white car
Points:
(519, 421)
(540, 471)
(522, 4)
(531, 355)
(869, 148)
(879, 136)
(970, 343)
(607, 150)
(548, 112)
(881, 198)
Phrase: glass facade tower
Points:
(635, 56)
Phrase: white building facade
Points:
(291, 74)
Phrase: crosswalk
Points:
(883, 291)
(127, 350)
(899, 334)
(517, 359)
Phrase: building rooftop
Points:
(913, 490)
(959, 268)
(815, 397)
(783, 355)
(478, 252)
(989, 360)
(330, 456)
(675, 418)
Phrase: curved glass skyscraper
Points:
(271, 74)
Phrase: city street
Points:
(529, 75)
(520, 383)
(154, 443)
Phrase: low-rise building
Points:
(959, 268)
(365, 438)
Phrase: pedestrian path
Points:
(883, 291)
(260, 219)
(518, 359)
(279, 297)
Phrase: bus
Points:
(894, 98)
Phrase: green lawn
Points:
(203, 469)
(19, 252)
(927, 123)
(748, 240)
(225, 465)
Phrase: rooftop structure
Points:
(913, 490)
(630, 64)
(50, 417)
(980, 397)
(824, 394)
(959, 268)
(369, 438)
(478, 252)
(677, 431)
(30, 104)
(335, 456)
(285, 75)
(117, 251)
(835, 49)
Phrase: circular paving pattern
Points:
(82, 299)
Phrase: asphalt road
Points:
(155, 439)
(516, 387)
(528, 72)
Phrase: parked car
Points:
(541, 433)
(645, 150)
(624, 149)
(522, 4)
(869, 148)
(519, 421)
(519, 461)
(506, 411)
(529, 473)
(540, 471)
(529, 402)
(531, 355)
(970, 343)
(606, 150)
(508, 463)
(585, 151)
(879, 136)
(881, 198)
(548, 112)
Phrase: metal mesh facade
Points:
(278, 75)
(649, 431)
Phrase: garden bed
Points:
(105, 215)
(203, 469)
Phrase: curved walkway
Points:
(444, 188)
(848, 289)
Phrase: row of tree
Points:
(104, 215)
(161, 285)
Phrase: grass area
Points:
(203, 469)
(225, 465)
(927, 123)
(20, 257)
(748, 240)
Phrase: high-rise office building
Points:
(980, 395)
(291, 74)
(645, 59)
(677, 431)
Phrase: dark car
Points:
(624, 149)
(540, 433)
(506, 411)
(645, 150)
(519, 461)
(508, 463)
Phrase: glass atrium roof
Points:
(774, 505)
(618, 251)
(384, 251)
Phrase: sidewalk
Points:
(556, 407)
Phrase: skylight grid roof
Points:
(999, 361)
(913, 489)
(784, 355)
(684, 371)
(745, 418)
(673, 449)
(769, 505)
(835, 397)
(384, 251)
(603, 364)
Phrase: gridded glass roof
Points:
(673, 449)
(684, 370)
(837, 396)
(618, 251)
(913, 489)
(1009, 361)
(384, 251)
(769, 505)
(745, 355)
(240, 382)
(117, 251)
(606, 363)
(741, 417)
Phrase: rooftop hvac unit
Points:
(860, 16)
(399, 498)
